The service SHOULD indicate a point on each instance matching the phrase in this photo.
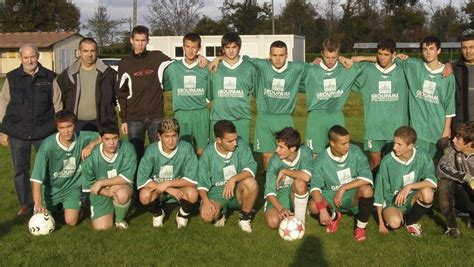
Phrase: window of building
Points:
(178, 51)
(213, 51)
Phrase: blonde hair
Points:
(168, 125)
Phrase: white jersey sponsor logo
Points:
(228, 172)
(112, 173)
(385, 93)
(278, 90)
(427, 93)
(69, 168)
(344, 176)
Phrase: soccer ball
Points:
(291, 229)
(41, 224)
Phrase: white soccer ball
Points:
(291, 229)
(41, 224)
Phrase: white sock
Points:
(301, 202)
(361, 224)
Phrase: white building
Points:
(257, 46)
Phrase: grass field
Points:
(201, 244)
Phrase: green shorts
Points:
(284, 197)
(429, 147)
(266, 127)
(227, 204)
(70, 200)
(101, 206)
(194, 126)
(242, 126)
(348, 204)
(384, 146)
(318, 124)
(405, 208)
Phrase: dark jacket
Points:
(462, 92)
(139, 93)
(30, 112)
(69, 82)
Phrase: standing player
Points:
(168, 173)
(405, 184)
(227, 177)
(289, 173)
(108, 174)
(231, 87)
(56, 174)
(327, 86)
(385, 94)
(456, 182)
(432, 102)
(342, 182)
(189, 84)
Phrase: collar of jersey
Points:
(385, 71)
(436, 71)
(282, 69)
(170, 155)
(408, 162)
(63, 147)
(295, 161)
(338, 159)
(190, 66)
(324, 67)
(110, 160)
(226, 156)
(233, 66)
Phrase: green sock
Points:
(121, 211)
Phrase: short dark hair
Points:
(407, 134)
(222, 127)
(108, 128)
(387, 44)
(193, 37)
(168, 125)
(229, 38)
(279, 44)
(64, 116)
(467, 37)
(430, 40)
(140, 29)
(466, 132)
(290, 136)
(337, 130)
(331, 45)
(87, 40)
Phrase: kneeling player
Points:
(227, 177)
(56, 174)
(342, 181)
(108, 174)
(289, 172)
(405, 184)
(168, 173)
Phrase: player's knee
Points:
(71, 220)
(366, 191)
(312, 207)
(300, 187)
(427, 195)
(101, 227)
(272, 221)
(249, 185)
(122, 196)
(191, 194)
(145, 196)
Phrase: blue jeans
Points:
(21, 153)
(136, 134)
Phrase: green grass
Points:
(202, 244)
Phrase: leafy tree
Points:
(469, 10)
(174, 17)
(35, 15)
(208, 26)
(247, 17)
(447, 23)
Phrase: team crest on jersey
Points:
(278, 84)
(428, 92)
(409, 178)
(166, 172)
(288, 181)
(329, 85)
(189, 81)
(385, 87)
(229, 171)
(344, 176)
(429, 87)
(112, 173)
(69, 168)
(230, 83)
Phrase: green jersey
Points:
(302, 162)
(330, 172)
(394, 174)
(385, 95)
(231, 87)
(188, 83)
(159, 166)
(100, 167)
(328, 89)
(277, 88)
(58, 167)
(216, 168)
(431, 98)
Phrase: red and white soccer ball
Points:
(41, 224)
(291, 229)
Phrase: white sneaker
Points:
(415, 229)
(181, 221)
(220, 222)
(121, 225)
(245, 226)
(158, 220)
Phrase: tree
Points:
(469, 10)
(102, 28)
(208, 26)
(247, 17)
(174, 17)
(447, 23)
(36, 15)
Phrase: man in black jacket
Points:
(88, 88)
